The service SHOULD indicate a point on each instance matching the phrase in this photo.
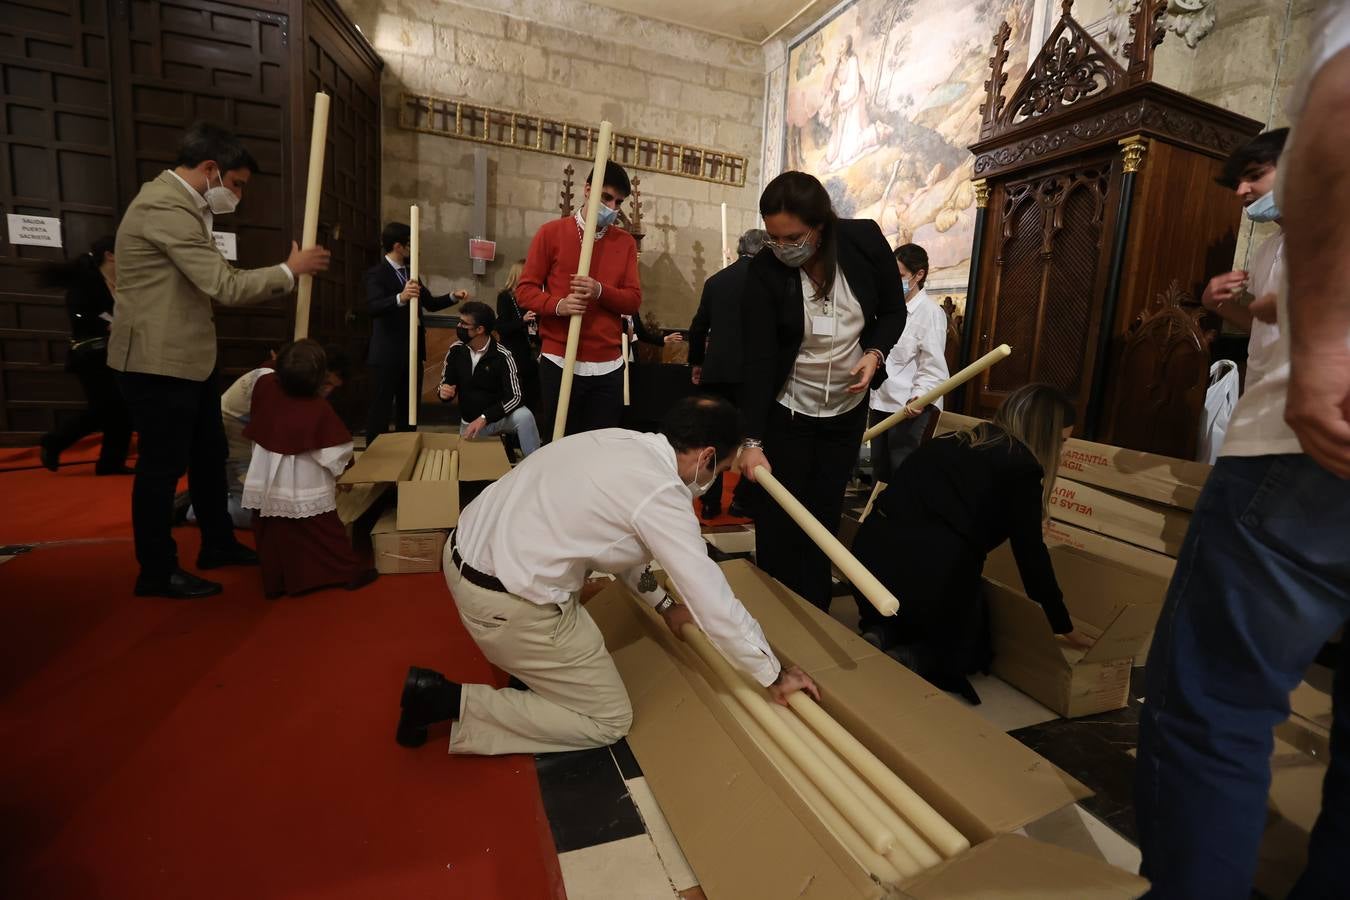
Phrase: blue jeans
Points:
(520, 422)
(1262, 582)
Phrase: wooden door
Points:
(338, 61)
(1047, 233)
(180, 61)
(56, 159)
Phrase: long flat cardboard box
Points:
(1309, 724)
(1148, 525)
(745, 831)
(1089, 543)
(1292, 808)
(1147, 476)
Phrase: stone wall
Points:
(541, 57)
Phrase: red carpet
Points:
(233, 747)
(728, 486)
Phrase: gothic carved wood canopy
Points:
(1075, 95)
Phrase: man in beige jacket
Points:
(163, 342)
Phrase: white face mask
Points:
(221, 200)
(698, 489)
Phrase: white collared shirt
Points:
(918, 361)
(476, 356)
(612, 501)
(204, 209)
(831, 346)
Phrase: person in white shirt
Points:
(1263, 579)
(609, 500)
(914, 366)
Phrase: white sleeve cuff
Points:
(289, 275)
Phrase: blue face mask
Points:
(606, 217)
(904, 282)
(1263, 209)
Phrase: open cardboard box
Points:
(1292, 808)
(1115, 605)
(409, 538)
(1089, 543)
(1161, 529)
(746, 832)
(1147, 476)
(1309, 724)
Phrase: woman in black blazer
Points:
(953, 501)
(822, 305)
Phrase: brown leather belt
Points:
(483, 580)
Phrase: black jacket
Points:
(491, 390)
(773, 321)
(87, 300)
(512, 327)
(986, 495)
(719, 315)
(389, 321)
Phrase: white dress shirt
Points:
(918, 361)
(209, 218)
(609, 500)
(831, 347)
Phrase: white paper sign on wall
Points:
(40, 231)
(227, 243)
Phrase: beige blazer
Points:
(168, 272)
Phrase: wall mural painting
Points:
(882, 99)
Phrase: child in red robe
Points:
(300, 447)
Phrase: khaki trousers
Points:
(576, 699)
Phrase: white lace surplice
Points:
(295, 486)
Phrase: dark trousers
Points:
(741, 495)
(813, 458)
(106, 412)
(179, 428)
(890, 448)
(388, 394)
(1262, 582)
(597, 400)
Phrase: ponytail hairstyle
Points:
(803, 196)
(1036, 416)
(915, 259)
(67, 274)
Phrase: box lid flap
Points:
(390, 458)
(482, 460)
(1011, 866)
(427, 505)
(1127, 635)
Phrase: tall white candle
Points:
(414, 317)
(309, 234)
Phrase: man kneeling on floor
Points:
(482, 375)
(610, 500)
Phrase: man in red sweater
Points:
(550, 286)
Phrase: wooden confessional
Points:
(1098, 222)
(97, 94)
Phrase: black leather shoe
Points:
(50, 458)
(426, 692)
(178, 586)
(740, 512)
(230, 555)
(712, 510)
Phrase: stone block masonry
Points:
(644, 76)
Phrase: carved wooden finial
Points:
(1067, 7)
(1148, 27)
(565, 205)
(992, 107)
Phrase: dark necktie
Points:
(403, 274)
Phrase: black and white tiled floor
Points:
(614, 844)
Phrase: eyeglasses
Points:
(789, 245)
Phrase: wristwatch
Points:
(665, 604)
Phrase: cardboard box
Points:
(406, 552)
(1291, 811)
(1309, 724)
(1146, 476)
(745, 831)
(1148, 525)
(1116, 605)
(423, 509)
(1091, 544)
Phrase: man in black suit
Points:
(388, 293)
(715, 351)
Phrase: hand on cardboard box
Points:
(791, 680)
(1076, 639)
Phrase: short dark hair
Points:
(915, 259)
(615, 176)
(339, 363)
(301, 367)
(204, 141)
(481, 312)
(395, 233)
(1262, 150)
(696, 422)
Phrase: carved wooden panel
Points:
(56, 159)
(185, 60)
(1048, 271)
(1166, 365)
(337, 63)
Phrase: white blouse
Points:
(831, 347)
(294, 486)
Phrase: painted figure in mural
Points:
(845, 111)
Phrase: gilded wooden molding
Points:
(1133, 148)
(981, 187)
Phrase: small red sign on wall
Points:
(481, 249)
